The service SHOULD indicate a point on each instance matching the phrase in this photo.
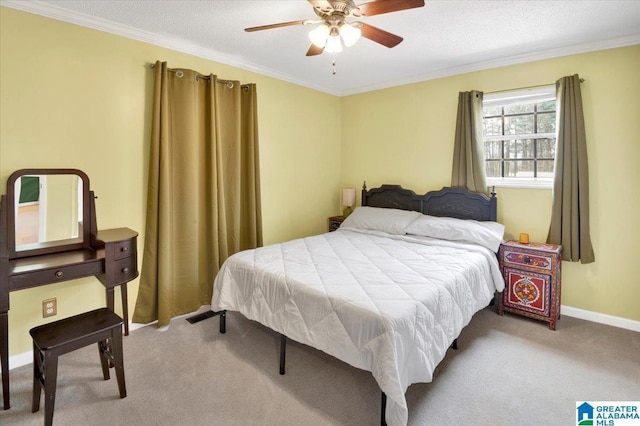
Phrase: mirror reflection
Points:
(48, 208)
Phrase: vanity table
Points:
(48, 234)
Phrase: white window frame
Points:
(513, 97)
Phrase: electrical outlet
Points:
(49, 307)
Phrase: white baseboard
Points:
(19, 360)
(26, 358)
(619, 322)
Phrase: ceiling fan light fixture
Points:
(320, 35)
(334, 45)
(350, 34)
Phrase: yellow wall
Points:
(410, 130)
(73, 97)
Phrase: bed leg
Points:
(223, 322)
(283, 350)
(454, 345)
(383, 411)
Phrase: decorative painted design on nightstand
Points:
(528, 259)
(526, 291)
(529, 291)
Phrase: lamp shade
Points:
(349, 197)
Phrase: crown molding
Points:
(506, 61)
(54, 12)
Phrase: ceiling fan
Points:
(337, 27)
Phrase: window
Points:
(519, 132)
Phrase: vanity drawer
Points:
(122, 249)
(52, 275)
(123, 270)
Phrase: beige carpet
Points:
(508, 370)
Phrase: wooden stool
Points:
(51, 340)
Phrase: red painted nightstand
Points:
(532, 280)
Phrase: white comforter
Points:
(384, 303)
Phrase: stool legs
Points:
(111, 356)
(50, 378)
(104, 352)
(38, 377)
(118, 361)
(45, 372)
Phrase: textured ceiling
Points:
(443, 38)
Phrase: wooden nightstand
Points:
(335, 222)
(532, 280)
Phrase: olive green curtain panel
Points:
(468, 152)
(570, 205)
(203, 197)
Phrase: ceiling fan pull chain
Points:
(333, 64)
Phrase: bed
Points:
(388, 292)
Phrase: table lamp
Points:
(348, 201)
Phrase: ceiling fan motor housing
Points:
(337, 10)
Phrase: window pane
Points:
(486, 112)
(518, 109)
(545, 168)
(510, 168)
(518, 148)
(518, 169)
(518, 125)
(492, 126)
(527, 148)
(510, 149)
(493, 150)
(493, 169)
(547, 122)
(547, 106)
(546, 148)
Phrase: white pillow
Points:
(486, 234)
(391, 221)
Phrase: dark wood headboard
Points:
(449, 201)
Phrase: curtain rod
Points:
(582, 80)
(228, 83)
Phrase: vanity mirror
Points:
(48, 211)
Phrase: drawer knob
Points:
(59, 274)
(125, 270)
(527, 259)
(124, 249)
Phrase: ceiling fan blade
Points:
(379, 36)
(379, 7)
(281, 24)
(314, 50)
